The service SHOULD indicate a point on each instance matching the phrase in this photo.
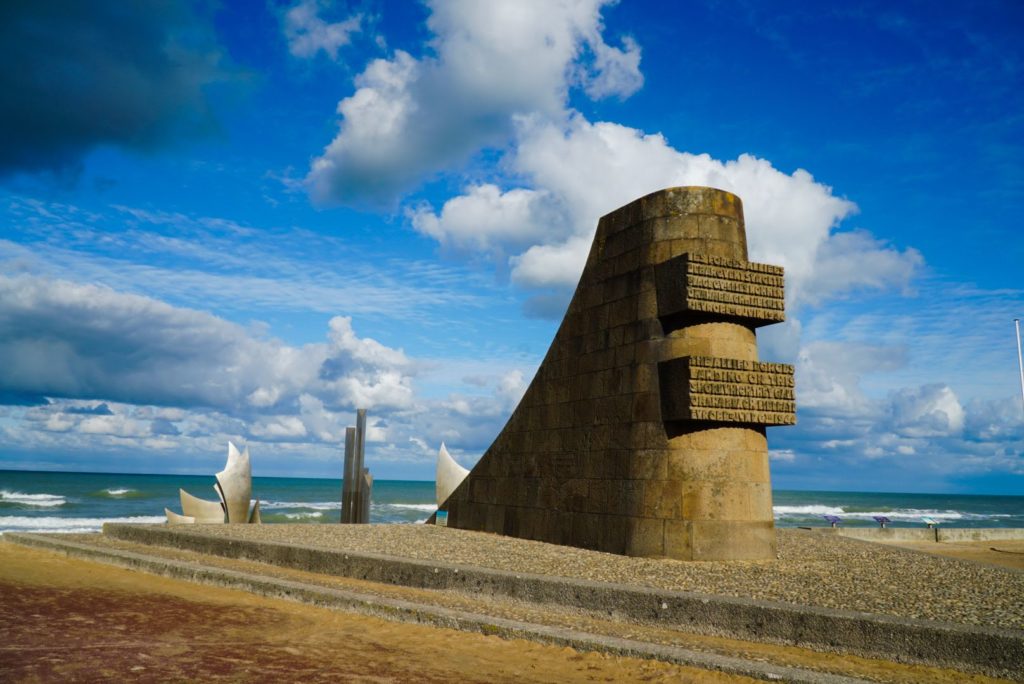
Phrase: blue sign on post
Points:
(441, 518)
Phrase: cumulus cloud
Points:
(486, 219)
(411, 117)
(615, 71)
(828, 375)
(927, 411)
(78, 75)
(923, 429)
(113, 371)
(857, 260)
(581, 170)
(924, 433)
(66, 340)
(307, 33)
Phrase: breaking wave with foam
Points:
(68, 525)
(22, 499)
(81, 502)
(908, 514)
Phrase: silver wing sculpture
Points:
(449, 475)
(234, 489)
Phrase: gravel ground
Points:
(811, 569)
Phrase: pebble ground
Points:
(811, 569)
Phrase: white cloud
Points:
(579, 171)
(593, 168)
(782, 455)
(552, 265)
(116, 425)
(208, 262)
(68, 340)
(828, 375)
(921, 429)
(857, 260)
(308, 34)
(183, 381)
(615, 72)
(487, 219)
(928, 411)
(279, 427)
(491, 61)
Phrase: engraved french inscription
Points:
(727, 390)
(724, 287)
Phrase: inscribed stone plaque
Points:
(727, 390)
(725, 287)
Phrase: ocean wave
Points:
(415, 507)
(311, 505)
(45, 500)
(299, 516)
(68, 525)
(806, 511)
(904, 514)
(307, 517)
(118, 493)
(336, 505)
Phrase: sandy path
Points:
(1008, 554)
(69, 620)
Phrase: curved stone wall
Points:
(643, 432)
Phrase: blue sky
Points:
(242, 221)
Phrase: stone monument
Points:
(643, 432)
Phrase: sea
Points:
(81, 502)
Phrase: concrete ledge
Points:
(992, 651)
(961, 534)
(880, 534)
(406, 611)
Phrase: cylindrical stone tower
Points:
(643, 431)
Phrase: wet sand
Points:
(68, 620)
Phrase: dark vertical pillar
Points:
(359, 471)
(348, 476)
(355, 490)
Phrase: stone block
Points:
(725, 500)
(646, 464)
(645, 537)
(677, 539)
(663, 499)
(730, 540)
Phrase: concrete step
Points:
(378, 603)
(971, 648)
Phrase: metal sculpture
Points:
(234, 490)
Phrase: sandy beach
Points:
(66, 620)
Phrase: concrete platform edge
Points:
(870, 635)
(406, 611)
